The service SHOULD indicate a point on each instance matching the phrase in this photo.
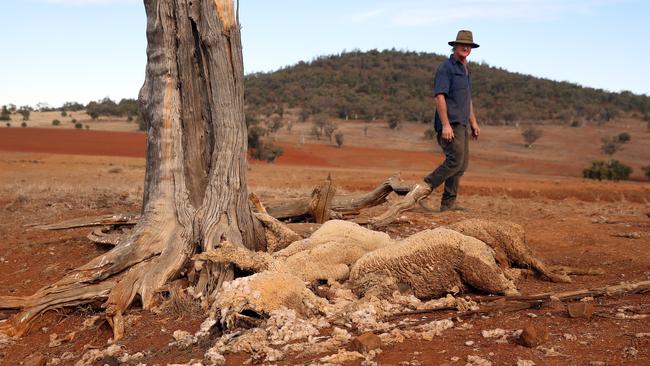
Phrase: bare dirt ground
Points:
(48, 176)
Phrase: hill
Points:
(378, 84)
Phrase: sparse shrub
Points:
(576, 123)
(304, 115)
(394, 123)
(275, 124)
(64, 113)
(623, 137)
(614, 144)
(78, 125)
(129, 118)
(56, 122)
(73, 121)
(339, 139)
(87, 127)
(4, 114)
(646, 171)
(23, 124)
(328, 130)
(142, 125)
(316, 132)
(8, 124)
(610, 170)
(430, 133)
(267, 152)
(531, 134)
(255, 134)
(25, 111)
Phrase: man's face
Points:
(463, 50)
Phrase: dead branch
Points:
(104, 220)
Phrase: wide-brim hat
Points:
(464, 37)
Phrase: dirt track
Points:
(568, 221)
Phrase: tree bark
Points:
(195, 193)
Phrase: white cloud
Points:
(421, 13)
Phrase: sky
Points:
(55, 51)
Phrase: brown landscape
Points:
(49, 175)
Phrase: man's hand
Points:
(476, 130)
(447, 133)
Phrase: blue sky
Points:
(80, 50)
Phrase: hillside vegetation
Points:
(381, 84)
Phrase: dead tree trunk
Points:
(195, 192)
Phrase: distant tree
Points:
(289, 127)
(608, 170)
(623, 137)
(255, 134)
(531, 134)
(266, 152)
(339, 139)
(612, 145)
(304, 115)
(646, 171)
(275, 124)
(25, 111)
(56, 122)
(430, 133)
(5, 115)
(72, 106)
(394, 122)
(12, 108)
(365, 130)
(328, 130)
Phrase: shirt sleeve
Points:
(442, 81)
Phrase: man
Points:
(454, 120)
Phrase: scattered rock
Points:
(54, 340)
(597, 363)
(365, 342)
(469, 343)
(642, 335)
(492, 333)
(35, 360)
(521, 362)
(477, 361)
(630, 352)
(581, 310)
(632, 235)
(533, 336)
(570, 337)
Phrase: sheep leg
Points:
(485, 277)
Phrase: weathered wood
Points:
(103, 220)
(418, 193)
(345, 205)
(321, 203)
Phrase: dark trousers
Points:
(456, 160)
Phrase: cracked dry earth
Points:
(605, 225)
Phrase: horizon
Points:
(51, 60)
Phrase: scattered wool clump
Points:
(433, 263)
(92, 356)
(342, 356)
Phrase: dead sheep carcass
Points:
(431, 263)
